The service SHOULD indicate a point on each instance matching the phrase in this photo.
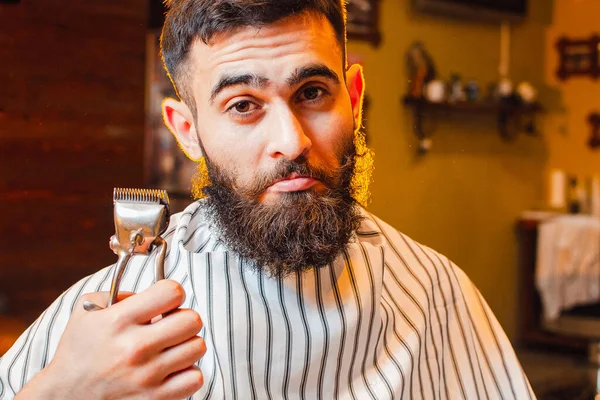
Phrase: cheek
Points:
(230, 149)
(330, 133)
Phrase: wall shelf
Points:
(510, 115)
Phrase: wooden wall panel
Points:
(71, 129)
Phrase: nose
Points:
(287, 138)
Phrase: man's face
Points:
(272, 94)
(275, 121)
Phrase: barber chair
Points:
(582, 322)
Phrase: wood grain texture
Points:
(71, 129)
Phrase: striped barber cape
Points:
(389, 319)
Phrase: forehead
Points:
(273, 51)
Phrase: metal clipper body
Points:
(141, 216)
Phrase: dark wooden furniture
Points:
(531, 333)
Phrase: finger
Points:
(182, 384)
(180, 357)
(175, 328)
(160, 298)
(98, 298)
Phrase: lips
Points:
(293, 183)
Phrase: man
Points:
(280, 286)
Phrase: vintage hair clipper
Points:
(141, 216)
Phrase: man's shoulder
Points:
(407, 258)
(398, 242)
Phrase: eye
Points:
(244, 111)
(312, 94)
(242, 106)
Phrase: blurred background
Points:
(483, 114)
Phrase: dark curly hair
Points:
(187, 20)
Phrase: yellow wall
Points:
(464, 197)
(569, 130)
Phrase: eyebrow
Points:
(311, 71)
(299, 75)
(234, 80)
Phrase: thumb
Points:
(98, 299)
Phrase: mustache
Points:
(330, 177)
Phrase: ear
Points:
(180, 121)
(356, 88)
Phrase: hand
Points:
(118, 353)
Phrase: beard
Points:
(300, 230)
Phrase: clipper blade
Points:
(139, 212)
(147, 196)
(141, 216)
